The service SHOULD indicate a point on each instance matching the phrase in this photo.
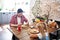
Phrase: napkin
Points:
(39, 35)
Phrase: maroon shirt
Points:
(14, 19)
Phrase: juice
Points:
(19, 27)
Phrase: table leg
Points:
(14, 37)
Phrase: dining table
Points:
(44, 29)
(21, 35)
(25, 33)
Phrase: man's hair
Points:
(19, 10)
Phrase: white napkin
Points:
(39, 35)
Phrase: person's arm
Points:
(13, 24)
(26, 21)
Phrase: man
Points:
(18, 19)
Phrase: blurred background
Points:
(9, 7)
(32, 8)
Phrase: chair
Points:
(53, 36)
(58, 34)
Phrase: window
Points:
(13, 5)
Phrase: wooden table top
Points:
(23, 35)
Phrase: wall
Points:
(47, 6)
(0, 18)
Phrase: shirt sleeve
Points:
(25, 19)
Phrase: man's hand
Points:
(26, 23)
(15, 24)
